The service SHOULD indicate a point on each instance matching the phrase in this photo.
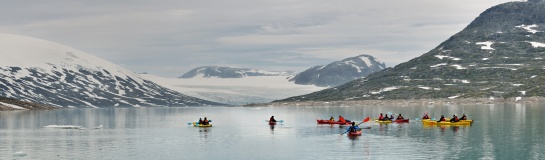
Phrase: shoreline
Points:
(405, 102)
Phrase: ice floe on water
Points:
(64, 127)
(19, 154)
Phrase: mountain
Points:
(501, 54)
(339, 72)
(229, 72)
(48, 73)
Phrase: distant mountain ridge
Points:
(230, 72)
(44, 72)
(340, 72)
(501, 54)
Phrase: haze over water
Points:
(504, 131)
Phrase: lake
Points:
(501, 131)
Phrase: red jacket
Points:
(341, 119)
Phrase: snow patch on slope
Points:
(486, 45)
(537, 44)
(529, 28)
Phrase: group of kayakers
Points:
(341, 119)
(391, 118)
(204, 122)
(442, 119)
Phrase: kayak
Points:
(323, 121)
(195, 124)
(381, 121)
(402, 120)
(448, 123)
(357, 133)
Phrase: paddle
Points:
(365, 120)
(281, 121)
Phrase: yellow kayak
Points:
(447, 123)
(195, 124)
(380, 121)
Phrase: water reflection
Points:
(204, 132)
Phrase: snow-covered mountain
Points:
(49, 73)
(230, 72)
(340, 72)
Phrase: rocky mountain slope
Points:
(9, 104)
(501, 54)
(44, 72)
(229, 72)
(339, 72)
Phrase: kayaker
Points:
(454, 119)
(205, 121)
(426, 116)
(442, 118)
(272, 119)
(341, 119)
(386, 118)
(380, 117)
(353, 128)
(200, 120)
(400, 117)
(464, 117)
(331, 119)
(392, 117)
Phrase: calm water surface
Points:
(506, 131)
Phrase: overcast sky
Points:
(171, 37)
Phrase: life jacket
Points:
(341, 119)
(381, 117)
(456, 119)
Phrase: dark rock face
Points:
(500, 54)
(339, 72)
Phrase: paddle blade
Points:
(366, 119)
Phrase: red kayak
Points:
(357, 133)
(401, 121)
(323, 121)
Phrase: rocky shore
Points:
(407, 102)
(10, 104)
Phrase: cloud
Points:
(168, 37)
